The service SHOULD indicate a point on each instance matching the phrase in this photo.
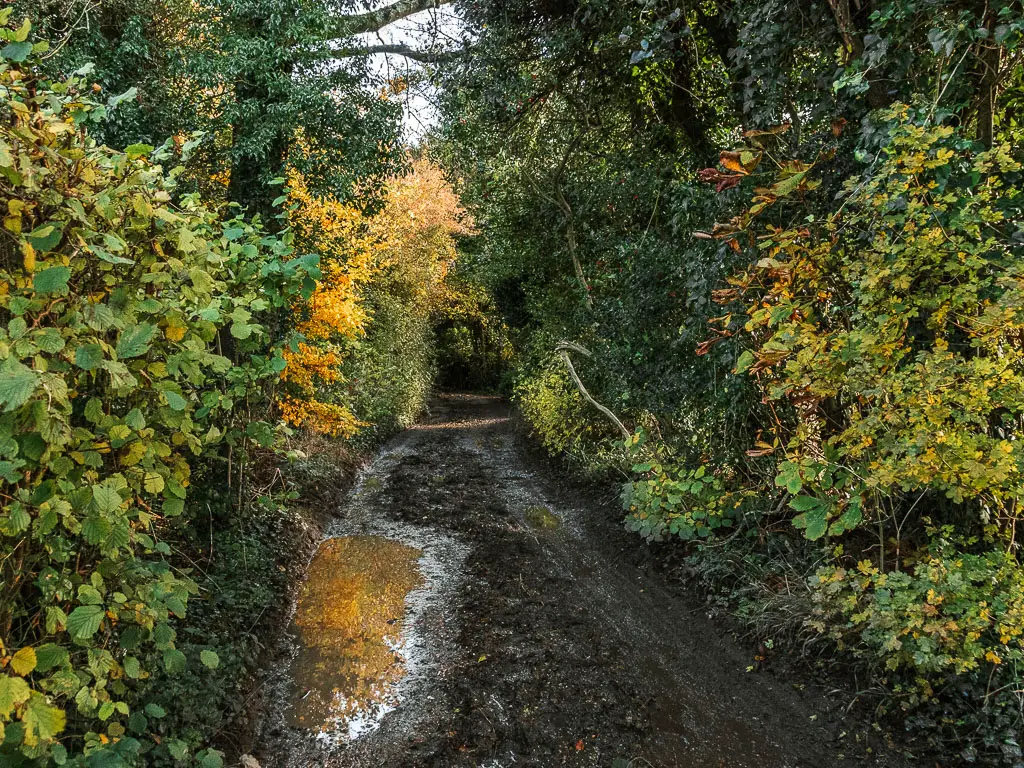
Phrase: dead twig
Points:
(563, 348)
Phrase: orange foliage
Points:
(334, 307)
(325, 418)
(412, 234)
(308, 364)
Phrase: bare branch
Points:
(425, 56)
(563, 348)
(371, 21)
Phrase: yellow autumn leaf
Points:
(29, 255)
(24, 661)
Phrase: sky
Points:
(438, 26)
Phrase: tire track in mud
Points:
(542, 645)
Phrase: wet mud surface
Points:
(532, 634)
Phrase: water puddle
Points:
(349, 627)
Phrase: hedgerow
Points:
(138, 335)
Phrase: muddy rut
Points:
(531, 637)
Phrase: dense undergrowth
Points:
(790, 237)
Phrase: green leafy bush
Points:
(390, 371)
(951, 611)
(943, 636)
(671, 498)
(890, 329)
(887, 336)
(135, 336)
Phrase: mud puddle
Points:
(349, 625)
(369, 633)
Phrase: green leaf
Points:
(210, 758)
(176, 606)
(85, 621)
(13, 691)
(120, 376)
(46, 237)
(17, 383)
(138, 150)
(850, 519)
(95, 529)
(56, 619)
(163, 636)
(51, 280)
(132, 668)
(135, 341)
(177, 748)
(155, 711)
(806, 503)
(50, 340)
(89, 357)
(106, 499)
(173, 507)
(94, 410)
(138, 723)
(814, 523)
(16, 51)
(241, 331)
(33, 446)
(209, 659)
(135, 419)
(744, 362)
(128, 95)
(89, 595)
(201, 280)
(153, 483)
(50, 655)
(21, 34)
(175, 401)
(17, 520)
(174, 661)
(789, 477)
(41, 720)
(109, 257)
(119, 432)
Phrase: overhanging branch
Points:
(563, 348)
(425, 56)
(371, 21)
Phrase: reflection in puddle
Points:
(348, 623)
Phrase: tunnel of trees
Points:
(765, 259)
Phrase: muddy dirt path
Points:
(533, 637)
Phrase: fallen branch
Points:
(563, 348)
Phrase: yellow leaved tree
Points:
(407, 246)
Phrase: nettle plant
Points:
(135, 335)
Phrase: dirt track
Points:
(550, 646)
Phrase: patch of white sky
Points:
(436, 29)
